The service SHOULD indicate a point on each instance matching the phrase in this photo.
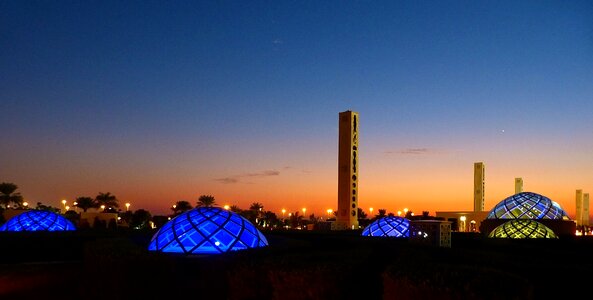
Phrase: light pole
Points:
(102, 207)
(75, 206)
(304, 211)
(329, 213)
(64, 203)
(25, 204)
(227, 207)
(127, 206)
(283, 212)
(371, 210)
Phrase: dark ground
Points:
(297, 265)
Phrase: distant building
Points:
(96, 219)
(463, 221)
(479, 186)
(431, 232)
(585, 215)
(579, 207)
(518, 185)
(347, 215)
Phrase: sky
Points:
(158, 102)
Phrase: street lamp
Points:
(462, 219)
(371, 210)
(67, 208)
(399, 213)
(103, 207)
(304, 211)
(25, 204)
(127, 206)
(283, 212)
(329, 212)
(227, 207)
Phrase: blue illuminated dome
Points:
(388, 226)
(527, 206)
(207, 230)
(38, 220)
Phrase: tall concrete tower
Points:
(518, 185)
(347, 217)
(479, 186)
(579, 207)
(585, 209)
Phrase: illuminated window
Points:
(389, 227)
(207, 230)
(38, 220)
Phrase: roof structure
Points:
(38, 220)
(389, 226)
(207, 230)
(527, 205)
(522, 229)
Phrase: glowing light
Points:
(207, 230)
(462, 218)
(304, 210)
(399, 212)
(406, 210)
(227, 207)
(67, 208)
(25, 204)
(371, 210)
(127, 206)
(38, 220)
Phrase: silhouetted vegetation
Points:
(9, 196)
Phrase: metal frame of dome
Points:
(38, 220)
(389, 226)
(527, 205)
(522, 229)
(207, 230)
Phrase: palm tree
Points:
(181, 206)
(382, 213)
(107, 199)
(7, 194)
(235, 209)
(206, 200)
(256, 212)
(86, 202)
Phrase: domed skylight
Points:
(38, 220)
(527, 206)
(522, 229)
(388, 226)
(207, 230)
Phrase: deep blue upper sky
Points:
(135, 80)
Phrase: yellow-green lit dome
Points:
(523, 229)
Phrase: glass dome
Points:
(522, 229)
(388, 226)
(38, 220)
(527, 206)
(207, 230)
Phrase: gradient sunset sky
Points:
(158, 102)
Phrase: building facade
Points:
(348, 166)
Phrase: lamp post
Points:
(25, 204)
(283, 212)
(399, 213)
(304, 211)
(227, 207)
(102, 207)
(462, 225)
(329, 213)
(75, 206)
(127, 206)
(64, 203)
(371, 210)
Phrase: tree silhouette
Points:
(181, 206)
(235, 209)
(361, 214)
(382, 213)
(85, 203)
(141, 219)
(107, 199)
(206, 201)
(7, 194)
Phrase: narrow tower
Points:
(585, 209)
(479, 169)
(579, 207)
(518, 185)
(347, 217)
